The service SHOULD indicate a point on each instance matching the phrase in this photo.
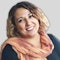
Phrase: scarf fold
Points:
(27, 51)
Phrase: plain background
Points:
(51, 9)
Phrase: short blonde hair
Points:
(37, 13)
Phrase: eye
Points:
(20, 20)
(30, 16)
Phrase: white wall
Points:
(50, 7)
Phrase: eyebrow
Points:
(22, 17)
(19, 18)
(30, 14)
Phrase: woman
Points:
(26, 31)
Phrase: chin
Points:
(32, 34)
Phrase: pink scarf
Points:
(27, 51)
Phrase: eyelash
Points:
(20, 20)
(29, 17)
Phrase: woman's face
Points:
(26, 24)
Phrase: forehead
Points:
(21, 12)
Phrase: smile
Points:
(28, 29)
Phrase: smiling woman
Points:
(26, 31)
(26, 24)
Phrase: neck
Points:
(35, 41)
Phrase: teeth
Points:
(30, 28)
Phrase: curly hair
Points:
(37, 13)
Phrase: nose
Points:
(28, 22)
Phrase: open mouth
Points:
(30, 28)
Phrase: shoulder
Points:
(8, 53)
(8, 42)
(8, 48)
(56, 43)
(53, 37)
(56, 52)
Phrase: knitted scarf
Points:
(27, 51)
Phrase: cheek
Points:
(20, 27)
(36, 21)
